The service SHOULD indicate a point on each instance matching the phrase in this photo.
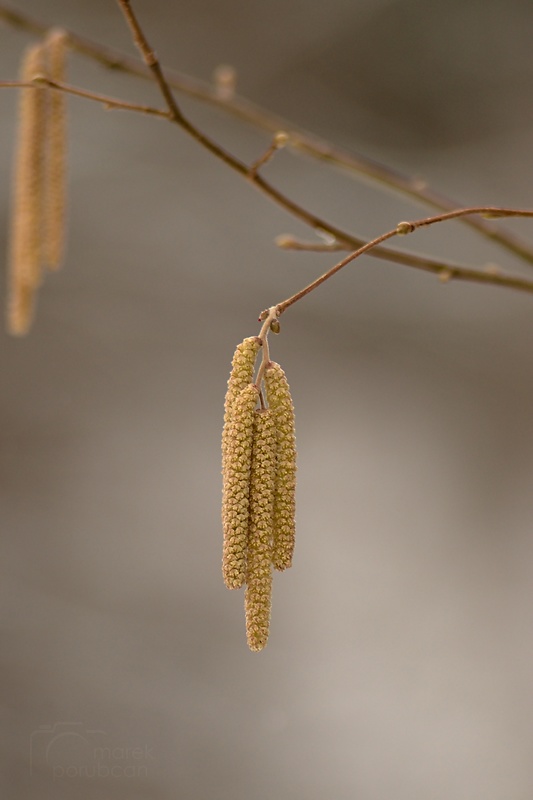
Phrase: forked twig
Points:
(300, 141)
(339, 239)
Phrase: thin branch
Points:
(445, 274)
(281, 307)
(487, 211)
(279, 141)
(442, 268)
(355, 163)
(109, 102)
(254, 177)
(341, 240)
(150, 59)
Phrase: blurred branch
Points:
(349, 241)
(108, 102)
(300, 141)
(335, 237)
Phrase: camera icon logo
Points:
(64, 748)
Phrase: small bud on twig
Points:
(403, 228)
(225, 79)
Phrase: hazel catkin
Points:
(56, 149)
(236, 486)
(280, 401)
(258, 593)
(27, 210)
(242, 370)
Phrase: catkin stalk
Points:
(258, 595)
(27, 211)
(55, 206)
(280, 401)
(236, 487)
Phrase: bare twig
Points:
(300, 141)
(255, 178)
(340, 238)
(108, 102)
(151, 60)
(445, 274)
(279, 141)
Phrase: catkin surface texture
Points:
(258, 596)
(236, 487)
(280, 401)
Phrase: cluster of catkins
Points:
(38, 209)
(259, 479)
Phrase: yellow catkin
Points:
(280, 401)
(27, 210)
(56, 149)
(258, 595)
(236, 474)
(242, 370)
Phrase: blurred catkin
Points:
(280, 401)
(27, 210)
(236, 486)
(56, 150)
(259, 560)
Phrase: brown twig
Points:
(108, 102)
(340, 238)
(300, 141)
(255, 178)
(279, 141)
(445, 274)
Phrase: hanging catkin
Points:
(27, 210)
(241, 376)
(242, 370)
(236, 486)
(259, 559)
(280, 401)
(55, 194)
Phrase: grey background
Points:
(401, 653)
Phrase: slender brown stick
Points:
(150, 59)
(489, 211)
(341, 237)
(109, 102)
(116, 60)
(300, 141)
(459, 273)
(255, 178)
(281, 307)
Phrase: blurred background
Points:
(400, 661)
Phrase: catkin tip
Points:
(20, 309)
